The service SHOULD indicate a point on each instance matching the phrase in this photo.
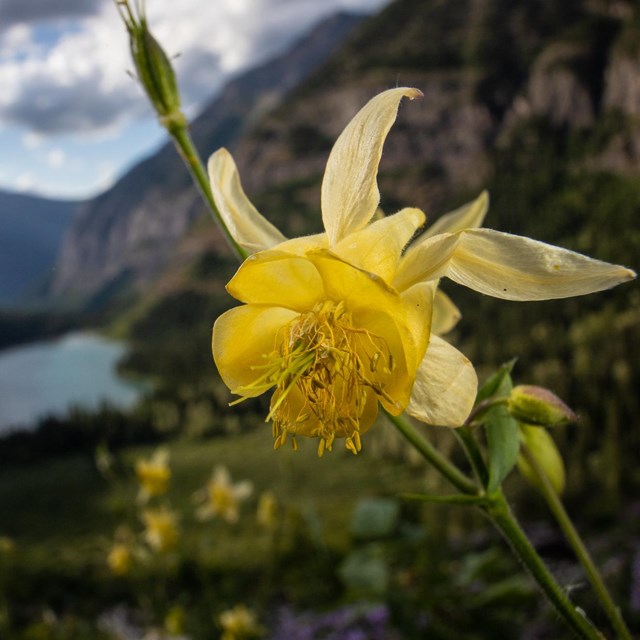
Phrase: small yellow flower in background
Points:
(222, 497)
(239, 623)
(153, 474)
(7, 545)
(342, 321)
(267, 511)
(120, 559)
(161, 529)
(174, 621)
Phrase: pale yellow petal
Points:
(509, 267)
(445, 388)
(246, 225)
(468, 216)
(445, 314)
(277, 278)
(300, 246)
(241, 337)
(349, 188)
(418, 307)
(377, 248)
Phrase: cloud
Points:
(56, 158)
(16, 11)
(72, 77)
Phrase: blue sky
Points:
(72, 120)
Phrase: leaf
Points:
(493, 384)
(503, 437)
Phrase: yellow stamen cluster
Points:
(334, 366)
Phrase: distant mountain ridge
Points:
(122, 239)
(31, 229)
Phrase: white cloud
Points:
(32, 140)
(25, 182)
(75, 79)
(56, 158)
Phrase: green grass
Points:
(62, 506)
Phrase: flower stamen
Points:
(325, 371)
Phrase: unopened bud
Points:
(538, 406)
(153, 66)
(543, 450)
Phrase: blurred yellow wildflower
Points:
(120, 559)
(239, 623)
(340, 321)
(7, 545)
(153, 474)
(267, 511)
(222, 498)
(161, 529)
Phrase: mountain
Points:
(31, 230)
(121, 240)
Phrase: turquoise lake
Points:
(48, 378)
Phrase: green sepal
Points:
(503, 436)
(493, 384)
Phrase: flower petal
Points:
(248, 227)
(445, 314)
(349, 188)
(445, 387)
(468, 216)
(377, 248)
(277, 278)
(241, 336)
(509, 267)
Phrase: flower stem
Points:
(432, 455)
(184, 144)
(498, 511)
(496, 508)
(574, 539)
(473, 454)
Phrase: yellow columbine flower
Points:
(120, 559)
(222, 497)
(161, 529)
(267, 511)
(153, 474)
(338, 322)
(239, 623)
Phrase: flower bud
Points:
(544, 451)
(153, 66)
(538, 406)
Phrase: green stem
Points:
(432, 455)
(497, 509)
(573, 537)
(473, 453)
(183, 143)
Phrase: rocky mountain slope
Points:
(31, 230)
(121, 240)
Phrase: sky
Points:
(72, 119)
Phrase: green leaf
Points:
(493, 385)
(375, 518)
(503, 437)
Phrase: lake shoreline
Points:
(50, 377)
